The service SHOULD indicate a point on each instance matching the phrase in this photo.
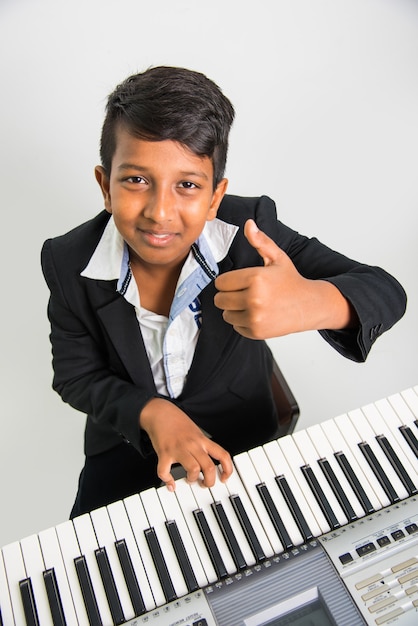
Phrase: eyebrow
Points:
(139, 168)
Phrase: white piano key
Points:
(281, 467)
(406, 413)
(220, 494)
(251, 479)
(324, 450)
(15, 568)
(398, 417)
(310, 456)
(204, 499)
(188, 504)
(139, 524)
(339, 444)
(6, 583)
(123, 530)
(296, 462)
(53, 560)
(267, 475)
(401, 423)
(172, 511)
(351, 437)
(235, 487)
(390, 429)
(156, 520)
(70, 550)
(367, 434)
(411, 398)
(34, 566)
(106, 539)
(88, 544)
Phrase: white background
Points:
(326, 94)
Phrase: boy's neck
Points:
(156, 285)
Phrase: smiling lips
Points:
(157, 239)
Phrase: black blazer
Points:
(99, 359)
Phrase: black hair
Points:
(170, 103)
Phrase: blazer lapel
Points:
(213, 337)
(121, 324)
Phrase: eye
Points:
(187, 184)
(136, 180)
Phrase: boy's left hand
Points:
(274, 299)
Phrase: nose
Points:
(160, 206)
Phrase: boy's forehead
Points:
(128, 146)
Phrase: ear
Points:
(104, 185)
(218, 194)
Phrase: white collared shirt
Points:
(170, 342)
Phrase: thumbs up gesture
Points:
(274, 299)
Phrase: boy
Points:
(160, 305)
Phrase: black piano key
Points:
(130, 578)
(210, 543)
(294, 507)
(182, 557)
(109, 586)
(378, 471)
(54, 598)
(337, 489)
(320, 496)
(229, 536)
(351, 476)
(274, 516)
(247, 528)
(28, 601)
(160, 564)
(397, 465)
(87, 591)
(410, 438)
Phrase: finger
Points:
(226, 468)
(235, 280)
(209, 473)
(192, 471)
(230, 300)
(266, 247)
(164, 474)
(224, 458)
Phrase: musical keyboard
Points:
(159, 556)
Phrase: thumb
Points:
(265, 246)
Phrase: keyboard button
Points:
(383, 541)
(366, 549)
(346, 558)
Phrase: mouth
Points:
(154, 238)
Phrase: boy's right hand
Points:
(177, 439)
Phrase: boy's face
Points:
(160, 195)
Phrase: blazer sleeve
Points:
(377, 297)
(86, 375)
